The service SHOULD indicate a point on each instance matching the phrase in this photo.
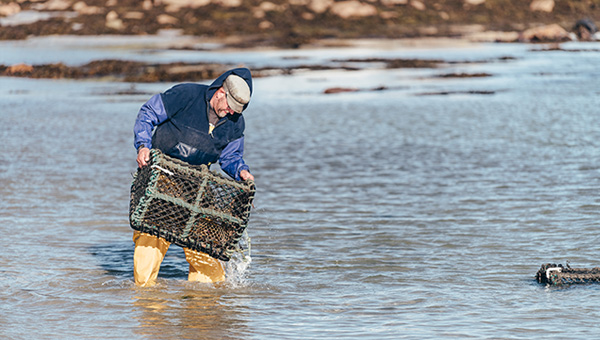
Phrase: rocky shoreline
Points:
(293, 23)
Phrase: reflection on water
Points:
(189, 313)
(378, 215)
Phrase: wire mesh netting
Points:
(190, 206)
(556, 274)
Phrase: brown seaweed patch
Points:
(334, 90)
(134, 71)
(447, 93)
(273, 71)
(464, 75)
(396, 63)
(129, 71)
(560, 49)
(340, 90)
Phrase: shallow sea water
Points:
(422, 211)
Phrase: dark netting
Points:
(190, 206)
(556, 274)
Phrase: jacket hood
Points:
(242, 72)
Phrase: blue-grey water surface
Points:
(422, 211)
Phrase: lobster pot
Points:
(190, 206)
(554, 274)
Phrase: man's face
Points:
(220, 104)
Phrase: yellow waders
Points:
(150, 251)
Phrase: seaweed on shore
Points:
(136, 71)
(123, 70)
(397, 63)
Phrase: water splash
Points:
(236, 267)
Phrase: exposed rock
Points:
(266, 6)
(19, 69)
(474, 2)
(82, 8)
(269, 6)
(418, 5)
(134, 15)
(467, 29)
(548, 33)
(265, 25)
(428, 30)
(165, 19)
(542, 5)
(388, 15)
(147, 5)
(299, 2)
(353, 8)
(493, 36)
(229, 3)
(53, 5)
(320, 6)
(391, 3)
(307, 16)
(258, 13)
(176, 5)
(9, 9)
(113, 21)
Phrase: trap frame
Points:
(556, 274)
(190, 206)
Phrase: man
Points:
(198, 124)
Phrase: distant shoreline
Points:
(297, 23)
(139, 71)
(174, 39)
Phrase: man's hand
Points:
(144, 157)
(245, 175)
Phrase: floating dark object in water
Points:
(556, 274)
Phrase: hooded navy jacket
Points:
(179, 117)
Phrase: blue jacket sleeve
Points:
(150, 115)
(231, 159)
